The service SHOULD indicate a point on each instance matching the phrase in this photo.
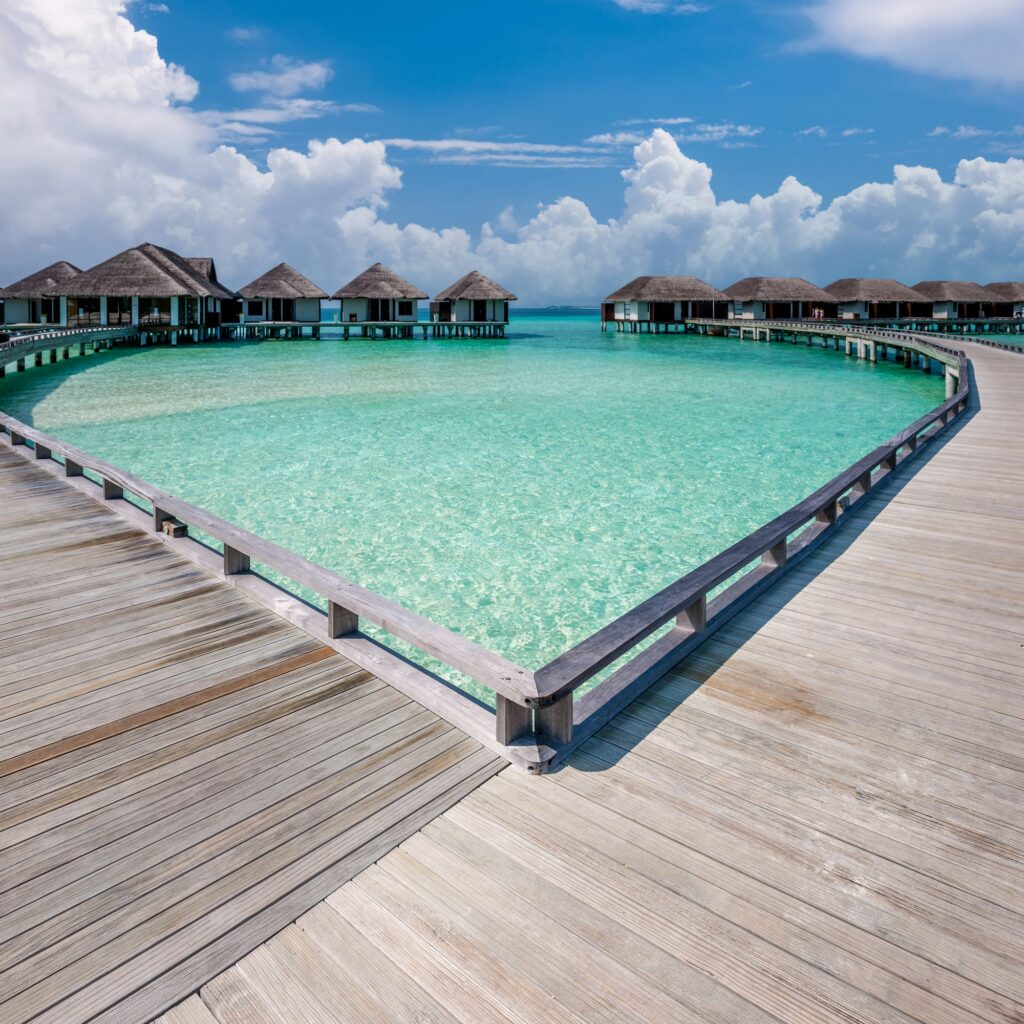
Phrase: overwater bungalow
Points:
(649, 302)
(957, 300)
(149, 286)
(473, 299)
(779, 298)
(877, 298)
(378, 296)
(282, 295)
(37, 299)
(1009, 298)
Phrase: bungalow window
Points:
(254, 307)
(83, 312)
(119, 310)
(51, 311)
(154, 310)
(404, 307)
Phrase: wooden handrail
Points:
(534, 716)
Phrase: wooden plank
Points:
(194, 779)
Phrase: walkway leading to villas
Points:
(817, 817)
(182, 773)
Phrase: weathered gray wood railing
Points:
(536, 721)
(19, 347)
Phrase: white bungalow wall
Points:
(752, 310)
(16, 311)
(463, 311)
(307, 311)
(943, 310)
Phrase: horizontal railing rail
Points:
(536, 720)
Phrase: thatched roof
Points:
(777, 289)
(666, 289)
(872, 289)
(379, 282)
(203, 265)
(149, 270)
(953, 291)
(50, 280)
(282, 282)
(474, 286)
(1007, 291)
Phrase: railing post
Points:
(695, 616)
(111, 490)
(42, 452)
(863, 484)
(512, 720)
(827, 515)
(553, 722)
(340, 621)
(16, 438)
(159, 518)
(71, 468)
(776, 555)
(235, 562)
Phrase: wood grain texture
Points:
(182, 772)
(816, 816)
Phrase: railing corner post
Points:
(553, 722)
(512, 721)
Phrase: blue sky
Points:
(560, 146)
(562, 71)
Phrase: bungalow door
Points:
(479, 310)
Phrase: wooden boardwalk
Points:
(182, 773)
(817, 817)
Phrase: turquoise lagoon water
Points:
(522, 492)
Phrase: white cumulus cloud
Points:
(981, 40)
(81, 84)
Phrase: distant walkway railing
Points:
(536, 721)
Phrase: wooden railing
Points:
(536, 720)
(58, 337)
